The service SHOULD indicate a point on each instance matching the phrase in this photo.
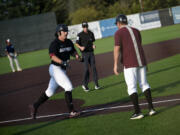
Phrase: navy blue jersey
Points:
(86, 40)
(10, 48)
(62, 50)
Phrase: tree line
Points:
(75, 11)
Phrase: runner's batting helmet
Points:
(61, 27)
(121, 18)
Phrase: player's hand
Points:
(116, 70)
(77, 57)
(82, 48)
(94, 47)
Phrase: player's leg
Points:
(44, 97)
(130, 75)
(93, 66)
(17, 64)
(11, 63)
(143, 84)
(62, 80)
(86, 71)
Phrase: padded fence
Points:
(28, 33)
(166, 17)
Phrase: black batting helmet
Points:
(61, 27)
(85, 24)
(121, 18)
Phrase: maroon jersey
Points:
(132, 53)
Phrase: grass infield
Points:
(164, 79)
(41, 57)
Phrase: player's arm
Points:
(116, 59)
(80, 47)
(78, 42)
(55, 59)
(116, 52)
(52, 54)
(93, 40)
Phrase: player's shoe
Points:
(152, 112)
(19, 69)
(136, 116)
(33, 111)
(85, 88)
(74, 114)
(97, 87)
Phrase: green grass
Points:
(39, 58)
(164, 79)
(164, 123)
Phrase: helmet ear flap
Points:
(59, 33)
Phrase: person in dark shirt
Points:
(12, 55)
(84, 42)
(60, 51)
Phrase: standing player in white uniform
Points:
(60, 50)
(12, 55)
(128, 43)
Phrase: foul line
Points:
(85, 111)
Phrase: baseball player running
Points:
(128, 43)
(60, 50)
(12, 55)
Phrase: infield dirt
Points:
(20, 89)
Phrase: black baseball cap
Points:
(85, 24)
(121, 18)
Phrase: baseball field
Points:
(105, 111)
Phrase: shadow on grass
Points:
(41, 126)
(162, 70)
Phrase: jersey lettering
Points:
(67, 49)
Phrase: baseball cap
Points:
(84, 24)
(8, 40)
(121, 18)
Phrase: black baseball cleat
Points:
(74, 114)
(136, 116)
(33, 111)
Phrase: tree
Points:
(84, 14)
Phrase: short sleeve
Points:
(52, 49)
(78, 41)
(117, 41)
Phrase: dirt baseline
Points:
(20, 89)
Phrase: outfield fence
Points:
(36, 32)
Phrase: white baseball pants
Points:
(134, 75)
(58, 78)
(12, 65)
